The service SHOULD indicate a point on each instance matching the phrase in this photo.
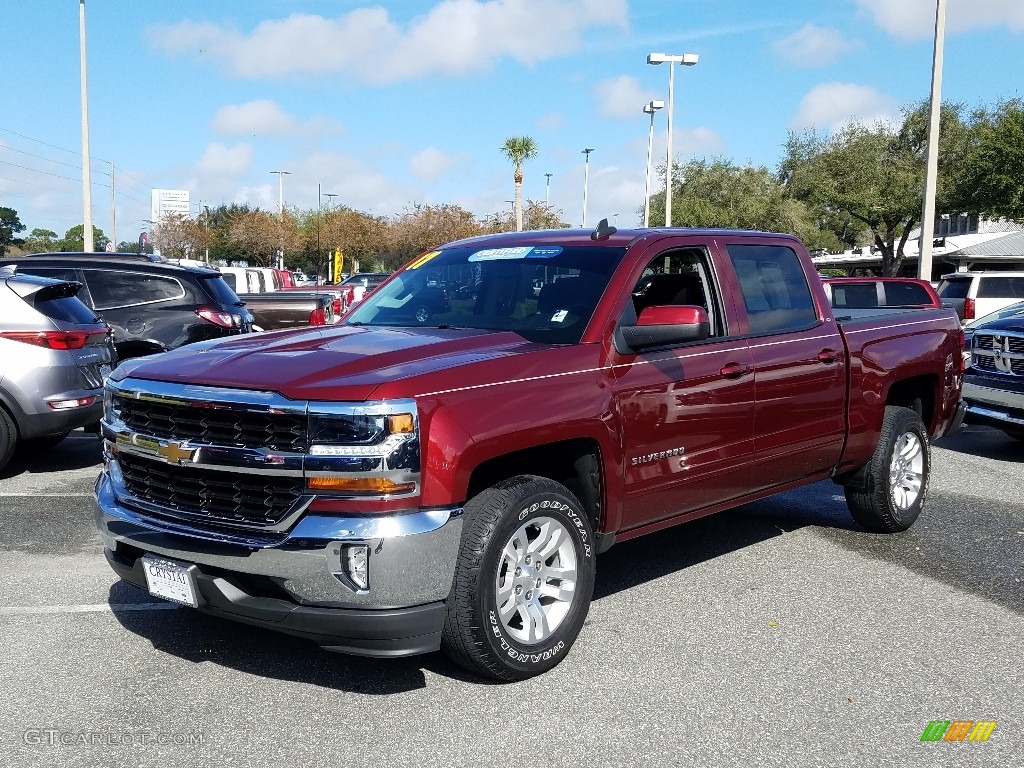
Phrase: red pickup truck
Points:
(408, 481)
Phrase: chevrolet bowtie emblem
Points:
(175, 453)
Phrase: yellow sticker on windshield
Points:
(419, 261)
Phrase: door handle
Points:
(829, 356)
(735, 370)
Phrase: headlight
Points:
(365, 449)
(111, 406)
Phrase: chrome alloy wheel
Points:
(906, 471)
(536, 580)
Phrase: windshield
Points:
(999, 314)
(545, 293)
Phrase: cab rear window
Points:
(954, 289)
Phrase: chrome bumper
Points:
(411, 562)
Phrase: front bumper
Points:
(995, 402)
(293, 582)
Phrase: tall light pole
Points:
(280, 213)
(330, 200)
(931, 169)
(687, 59)
(586, 182)
(86, 170)
(547, 190)
(280, 190)
(649, 109)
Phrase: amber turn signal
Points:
(400, 424)
(360, 485)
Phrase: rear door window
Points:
(1001, 288)
(218, 289)
(111, 288)
(774, 288)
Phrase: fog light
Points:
(355, 560)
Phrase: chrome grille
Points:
(215, 425)
(234, 499)
(999, 352)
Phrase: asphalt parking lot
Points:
(775, 634)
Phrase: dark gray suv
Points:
(54, 354)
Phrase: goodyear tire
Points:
(897, 475)
(524, 579)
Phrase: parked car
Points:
(994, 383)
(361, 283)
(56, 353)
(867, 292)
(279, 310)
(242, 280)
(974, 294)
(152, 307)
(339, 297)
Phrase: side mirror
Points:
(663, 325)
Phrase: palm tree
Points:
(519, 149)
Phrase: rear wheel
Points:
(524, 579)
(897, 475)
(8, 438)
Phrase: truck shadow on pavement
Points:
(198, 638)
(78, 451)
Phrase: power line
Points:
(36, 170)
(54, 146)
(47, 159)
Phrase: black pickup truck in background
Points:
(279, 310)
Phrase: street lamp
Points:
(280, 212)
(586, 181)
(280, 189)
(686, 59)
(330, 200)
(649, 109)
(547, 190)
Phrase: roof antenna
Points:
(603, 230)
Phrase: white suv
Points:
(976, 294)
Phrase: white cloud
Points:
(455, 37)
(222, 161)
(264, 117)
(812, 46)
(623, 97)
(910, 19)
(430, 164)
(551, 122)
(830, 106)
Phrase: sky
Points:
(391, 105)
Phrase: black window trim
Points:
(98, 308)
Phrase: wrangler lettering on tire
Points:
(524, 579)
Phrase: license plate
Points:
(169, 580)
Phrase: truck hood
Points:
(342, 363)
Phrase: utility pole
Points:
(931, 170)
(86, 170)
(113, 210)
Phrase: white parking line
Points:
(48, 495)
(30, 610)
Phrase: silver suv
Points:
(55, 354)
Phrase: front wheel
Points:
(897, 475)
(524, 579)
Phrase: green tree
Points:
(41, 241)
(993, 184)
(519, 149)
(132, 246)
(875, 175)
(74, 239)
(426, 227)
(10, 225)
